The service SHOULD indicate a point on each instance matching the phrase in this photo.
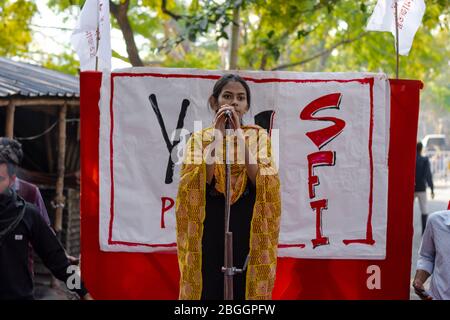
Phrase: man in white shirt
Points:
(434, 258)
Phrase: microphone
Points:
(228, 117)
(228, 114)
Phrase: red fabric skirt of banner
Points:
(126, 275)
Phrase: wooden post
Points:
(234, 39)
(9, 125)
(59, 199)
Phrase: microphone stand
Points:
(228, 269)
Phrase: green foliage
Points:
(200, 58)
(15, 19)
(301, 35)
(66, 63)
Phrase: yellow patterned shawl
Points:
(190, 214)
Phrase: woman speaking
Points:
(255, 202)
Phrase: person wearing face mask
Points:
(20, 225)
(255, 202)
(12, 151)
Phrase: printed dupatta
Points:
(265, 223)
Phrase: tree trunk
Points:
(120, 12)
(234, 39)
(263, 61)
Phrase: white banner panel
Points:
(330, 136)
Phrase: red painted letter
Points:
(318, 206)
(322, 136)
(165, 208)
(317, 159)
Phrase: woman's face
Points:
(233, 94)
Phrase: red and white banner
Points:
(329, 138)
(128, 275)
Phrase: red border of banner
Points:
(370, 81)
(128, 275)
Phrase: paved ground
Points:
(45, 291)
(440, 202)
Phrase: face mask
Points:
(6, 195)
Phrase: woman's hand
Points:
(220, 119)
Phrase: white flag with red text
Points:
(409, 18)
(93, 16)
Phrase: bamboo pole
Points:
(39, 102)
(59, 198)
(9, 121)
(396, 39)
(96, 54)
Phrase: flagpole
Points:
(96, 54)
(97, 34)
(396, 38)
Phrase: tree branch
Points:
(119, 12)
(327, 51)
(117, 55)
(113, 8)
(168, 12)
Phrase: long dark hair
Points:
(222, 82)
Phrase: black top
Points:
(213, 240)
(16, 280)
(423, 174)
